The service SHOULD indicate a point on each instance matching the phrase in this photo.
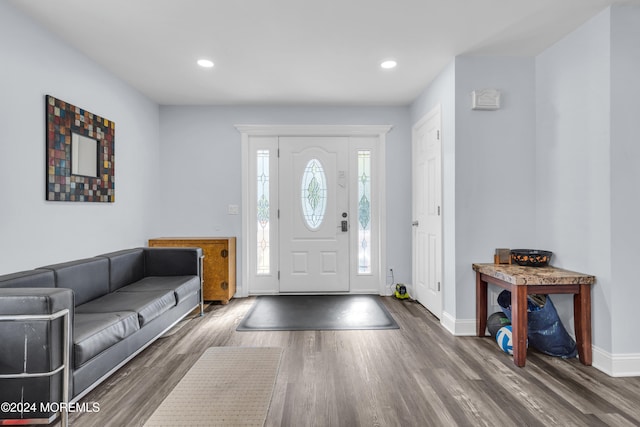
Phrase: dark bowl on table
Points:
(531, 257)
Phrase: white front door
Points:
(314, 214)
(298, 183)
(427, 218)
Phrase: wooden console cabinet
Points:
(219, 264)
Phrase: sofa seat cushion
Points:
(95, 332)
(148, 305)
(183, 286)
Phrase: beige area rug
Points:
(227, 386)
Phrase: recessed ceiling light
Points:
(205, 63)
(389, 63)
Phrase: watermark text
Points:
(46, 407)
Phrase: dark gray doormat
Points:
(317, 312)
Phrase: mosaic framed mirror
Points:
(80, 154)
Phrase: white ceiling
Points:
(302, 52)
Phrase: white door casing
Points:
(427, 212)
(256, 279)
(314, 249)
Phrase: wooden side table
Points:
(522, 281)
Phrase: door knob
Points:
(415, 223)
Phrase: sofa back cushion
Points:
(125, 267)
(28, 279)
(88, 278)
(172, 261)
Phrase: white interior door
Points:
(427, 215)
(314, 201)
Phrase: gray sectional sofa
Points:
(116, 304)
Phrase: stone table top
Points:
(521, 275)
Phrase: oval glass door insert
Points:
(314, 194)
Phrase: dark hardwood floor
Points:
(419, 375)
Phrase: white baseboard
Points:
(448, 322)
(459, 328)
(615, 365)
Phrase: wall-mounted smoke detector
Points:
(485, 99)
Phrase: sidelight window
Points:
(364, 211)
(263, 241)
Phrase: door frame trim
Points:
(249, 130)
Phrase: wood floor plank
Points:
(418, 375)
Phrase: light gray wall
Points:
(573, 164)
(495, 168)
(441, 92)
(567, 132)
(200, 154)
(625, 177)
(34, 232)
(555, 168)
(588, 129)
(484, 206)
